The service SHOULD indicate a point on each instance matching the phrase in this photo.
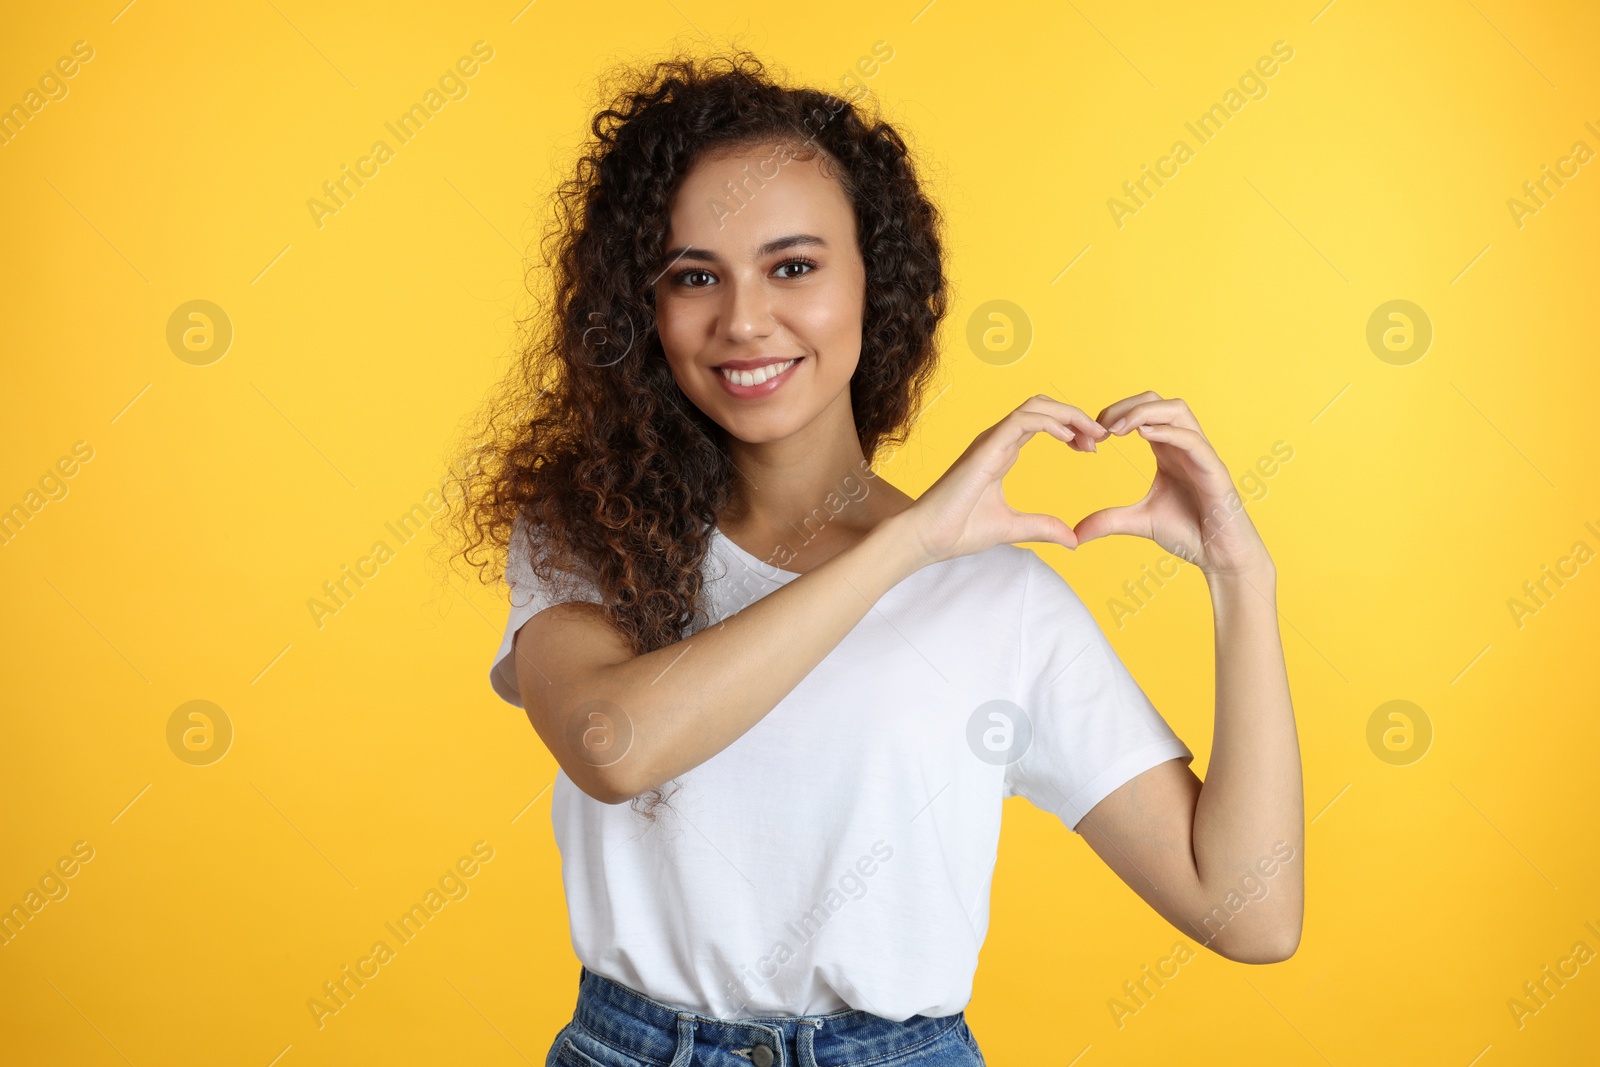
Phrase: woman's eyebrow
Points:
(776, 245)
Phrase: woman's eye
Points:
(806, 263)
(687, 278)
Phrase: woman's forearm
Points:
(1250, 813)
(688, 701)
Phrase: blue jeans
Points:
(615, 1026)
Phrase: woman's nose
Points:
(747, 312)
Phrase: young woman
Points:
(787, 699)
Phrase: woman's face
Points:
(761, 268)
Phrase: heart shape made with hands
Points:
(1190, 489)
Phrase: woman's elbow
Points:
(1275, 949)
(604, 784)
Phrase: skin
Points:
(1182, 844)
(723, 298)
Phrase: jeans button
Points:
(761, 1056)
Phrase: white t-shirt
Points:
(839, 853)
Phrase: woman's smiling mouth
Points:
(757, 381)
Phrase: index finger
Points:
(1113, 412)
(1075, 417)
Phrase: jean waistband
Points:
(662, 1033)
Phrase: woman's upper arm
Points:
(1144, 831)
(559, 655)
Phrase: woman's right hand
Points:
(966, 512)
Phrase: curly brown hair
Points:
(589, 439)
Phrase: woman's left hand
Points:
(1192, 509)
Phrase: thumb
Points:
(1028, 527)
(1124, 519)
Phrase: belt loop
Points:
(805, 1051)
(685, 1040)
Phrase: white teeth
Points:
(757, 376)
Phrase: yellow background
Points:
(369, 754)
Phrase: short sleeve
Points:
(529, 596)
(1091, 727)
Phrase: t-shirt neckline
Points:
(752, 558)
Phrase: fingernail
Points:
(1115, 426)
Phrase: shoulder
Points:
(523, 545)
(1027, 584)
(1000, 576)
(1005, 562)
(531, 550)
